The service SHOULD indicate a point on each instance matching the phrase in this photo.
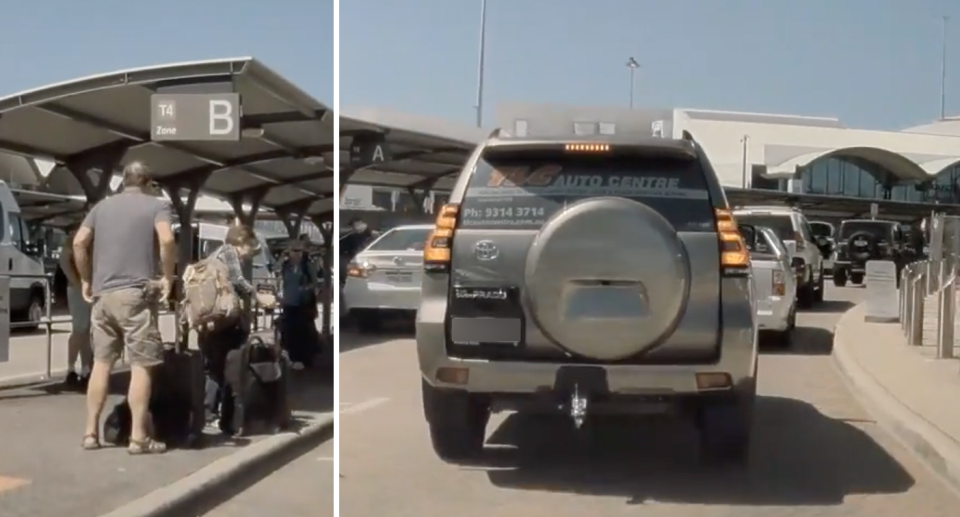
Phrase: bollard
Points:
(48, 304)
(904, 293)
(915, 333)
(945, 320)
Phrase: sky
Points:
(45, 41)
(872, 63)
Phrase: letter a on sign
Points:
(377, 155)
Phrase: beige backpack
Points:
(209, 300)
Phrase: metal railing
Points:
(930, 281)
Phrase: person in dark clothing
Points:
(240, 244)
(298, 288)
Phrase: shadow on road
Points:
(798, 457)
(806, 341)
(826, 306)
(351, 339)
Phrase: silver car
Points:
(385, 277)
(774, 283)
(587, 276)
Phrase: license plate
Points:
(400, 278)
(860, 242)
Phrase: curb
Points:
(200, 492)
(937, 450)
(35, 380)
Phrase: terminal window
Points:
(608, 128)
(520, 128)
(584, 128)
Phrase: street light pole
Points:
(943, 68)
(743, 172)
(633, 65)
(481, 60)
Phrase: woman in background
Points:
(78, 344)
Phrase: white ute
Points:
(774, 284)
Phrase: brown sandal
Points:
(147, 446)
(91, 442)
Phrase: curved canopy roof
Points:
(286, 153)
(419, 152)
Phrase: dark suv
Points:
(590, 275)
(859, 241)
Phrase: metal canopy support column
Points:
(186, 238)
(325, 225)
(96, 185)
(292, 216)
(184, 209)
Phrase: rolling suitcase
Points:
(177, 411)
(258, 375)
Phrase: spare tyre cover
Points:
(607, 278)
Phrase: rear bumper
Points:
(775, 315)
(738, 356)
(360, 294)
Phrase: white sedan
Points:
(386, 276)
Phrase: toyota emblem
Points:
(486, 250)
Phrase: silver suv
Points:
(586, 277)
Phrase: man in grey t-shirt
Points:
(119, 278)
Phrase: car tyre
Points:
(806, 295)
(368, 321)
(725, 428)
(457, 422)
(840, 277)
(818, 294)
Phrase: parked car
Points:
(774, 283)
(793, 229)
(385, 277)
(587, 275)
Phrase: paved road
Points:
(303, 488)
(816, 452)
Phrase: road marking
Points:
(324, 458)
(7, 483)
(362, 406)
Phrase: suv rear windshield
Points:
(821, 230)
(401, 239)
(522, 192)
(880, 230)
(782, 225)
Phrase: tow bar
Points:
(578, 407)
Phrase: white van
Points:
(21, 257)
(208, 237)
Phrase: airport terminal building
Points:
(814, 155)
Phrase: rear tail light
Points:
(356, 270)
(801, 244)
(436, 253)
(734, 256)
(779, 286)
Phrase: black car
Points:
(859, 241)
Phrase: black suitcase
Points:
(177, 410)
(258, 375)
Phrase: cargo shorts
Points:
(127, 317)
